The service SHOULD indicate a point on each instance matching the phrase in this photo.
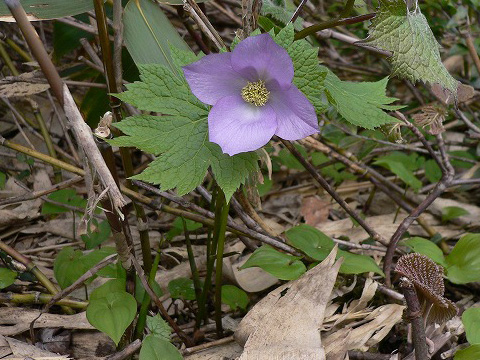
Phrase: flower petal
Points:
(296, 116)
(212, 77)
(260, 58)
(238, 126)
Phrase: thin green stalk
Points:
(221, 216)
(48, 141)
(39, 298)
(8, 60)
(142, 315)
(191, 260)
(347, 9)
(19, 50)
(202, 310)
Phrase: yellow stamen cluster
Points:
(256, 93)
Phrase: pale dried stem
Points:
(202, 21)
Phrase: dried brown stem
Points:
(414, 315)
(446, 180)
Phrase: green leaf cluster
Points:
(462, 265)
(70, 264)
(471, 322)
(180, 137)
(234, 297)
(403, 166)
(157, 346)
(317, 245)
(68, 197)
(280, 265)
(111, 309)
(407, 35)
(7, 277)
(182, 288)
(360, 103)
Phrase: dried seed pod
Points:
(432, 116)
(427, 277)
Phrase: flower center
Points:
(255, 93)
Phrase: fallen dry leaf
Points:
(315, 210)
(285, 324)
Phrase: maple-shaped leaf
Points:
(360, 103)
(408, 36)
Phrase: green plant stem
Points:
(30, 265)
(19, 50)
(48, 141)
(8, 60)
(347, 9)
(191, 260)
(40, 298)
(221, 217)
(114, 86)
(142, 314)
(331, 24)
(202, 311)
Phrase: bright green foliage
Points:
(427, 248)
(470, 353)
(111, 286)
(317, 245)
(159, 327)
(181, 139)
(280, 265)
(234, 297)
(154, 348)
(309, 76)
(95, 238)
(7, 277)
(463, 262)
(403, 166)
(280, 11)
(289, 160)
(182, 288)
(453, 212)
(70, 264)
(149, 34)
(111, 312)
(407, 35)
(432, 171)
(65, 196)
(471, 322)
(360, 103)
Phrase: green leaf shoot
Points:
(154, 348)
(112, 314)
(280, 265)
(463, 262)
(360, 103)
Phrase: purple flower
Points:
(252, 95)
